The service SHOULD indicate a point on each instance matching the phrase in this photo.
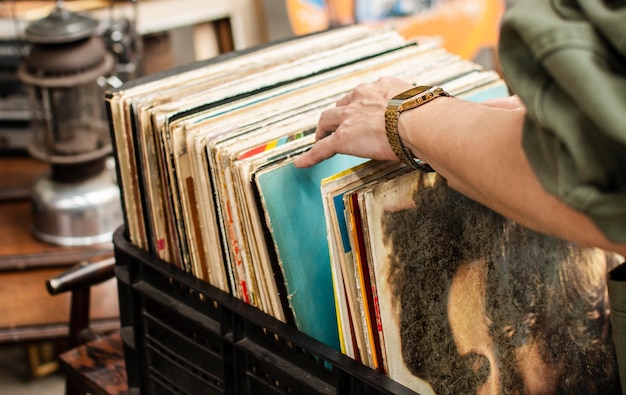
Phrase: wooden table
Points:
(28, 314)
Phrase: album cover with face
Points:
(474, 303)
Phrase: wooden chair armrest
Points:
(83, 275)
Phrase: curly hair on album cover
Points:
(538, 289)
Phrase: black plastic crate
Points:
(183, 336)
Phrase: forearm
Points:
(485, 161)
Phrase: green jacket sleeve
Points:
(566, 59)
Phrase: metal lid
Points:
(61, 26)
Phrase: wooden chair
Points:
(94, 362)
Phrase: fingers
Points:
(352, 112)
(344, 101)
(320, 151)
(361, 91)
(353, 96)
(385, 87)
(329, 121)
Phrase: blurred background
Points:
(42, 152)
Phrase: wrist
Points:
(419, 127)
(412, 137)
(396, 134)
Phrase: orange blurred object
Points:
(463, 27)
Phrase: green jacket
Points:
(566, 59)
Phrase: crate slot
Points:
(169, 303)
(172, 369)
(195, 353)
(274, 370)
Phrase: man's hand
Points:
(356, 125)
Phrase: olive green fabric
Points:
(567, 62)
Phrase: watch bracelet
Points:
(392, 115)
(403, 153)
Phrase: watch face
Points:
(411, 92)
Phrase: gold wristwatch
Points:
(412, 98)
